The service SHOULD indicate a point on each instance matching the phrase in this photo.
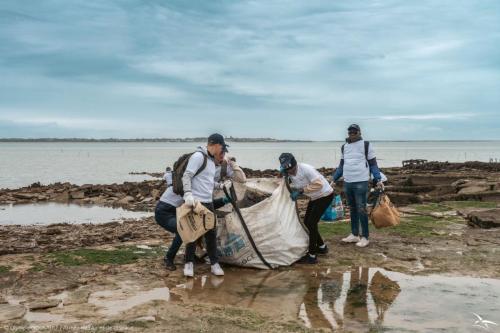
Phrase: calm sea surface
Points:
(102, 163)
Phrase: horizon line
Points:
(229, 139)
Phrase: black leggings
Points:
(315, 209)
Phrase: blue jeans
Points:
(357, 194)
(165, 216)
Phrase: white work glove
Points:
(227, 184)
(189, 199)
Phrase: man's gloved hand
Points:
(295, 194)
(231, 161)
(189, 199)
(227, 184)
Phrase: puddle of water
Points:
(113, 302)
(357, 300)
(52, 212)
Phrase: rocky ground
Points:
(110, 278)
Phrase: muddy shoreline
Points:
(61, 277)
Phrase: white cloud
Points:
(158, 91)
(77, 123)
(431, 48)
(430, 116)
(331, 61)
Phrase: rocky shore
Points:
(428, 183)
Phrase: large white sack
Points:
(274, 227)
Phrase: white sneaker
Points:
(217, 270)
(351, 239)
(188, 269)
(363, 242)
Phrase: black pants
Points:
(315, 209)
(165, 216)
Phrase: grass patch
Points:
(5, 269)
(430, 207)
(118, 256)
(411, 226)
(445, 206)
(329, 229)
(236, 318)
(470, 204)
(418, 226)
(37, 267)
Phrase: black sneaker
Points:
(169, 264)
(323, 250)
(307, 259)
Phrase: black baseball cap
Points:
(287, 161)
(354, 127)
(218, 139)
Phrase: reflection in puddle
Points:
(271, 292)
(113, 302)
(52, 212)
(357, 300)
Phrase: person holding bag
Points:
(357, 163)
(305, 179)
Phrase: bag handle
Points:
(204, 222)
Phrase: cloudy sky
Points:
(283, 69)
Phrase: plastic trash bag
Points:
(335, 211)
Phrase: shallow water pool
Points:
(50, 213)
(359, 300)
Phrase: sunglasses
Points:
(353, 132)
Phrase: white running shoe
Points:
(188, 269)
(363, 242)
(351, 239)
(217, 270)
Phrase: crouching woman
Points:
(305, 179)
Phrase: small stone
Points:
(40, 305)
(53, 231)
(8, 312)
(79, 296)
(24, 196)
(77, 195)
(485, 219)
(126, 200)
(125, 237)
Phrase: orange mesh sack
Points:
(384, 214)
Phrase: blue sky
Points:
(285, 69)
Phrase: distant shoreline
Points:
(202, 139)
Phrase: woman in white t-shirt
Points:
(305, 179)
